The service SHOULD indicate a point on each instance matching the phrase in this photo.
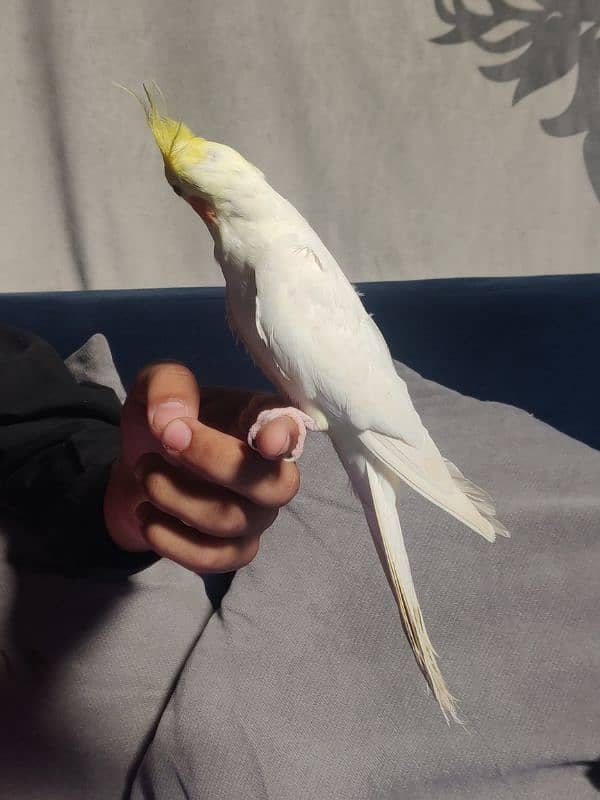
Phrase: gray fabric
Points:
(304, 686)
(406, 159)
(93, 362)
(86, 664)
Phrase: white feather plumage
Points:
(306, 328)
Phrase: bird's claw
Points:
(303, 421)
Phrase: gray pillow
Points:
(303, 686)
(87, 664)
(94, 362)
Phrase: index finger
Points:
(227, 461)
(234, 411)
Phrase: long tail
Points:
(376, 473)
(375, 489)
(385, 528)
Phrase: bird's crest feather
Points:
(179, 146)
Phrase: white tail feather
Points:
(376, 473)
(479, 497)
(439, 480)
(386, 530)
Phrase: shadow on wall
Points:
(593, 773)
(560, 35)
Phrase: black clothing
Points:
(58, 439)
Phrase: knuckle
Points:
(249, 552)
(227, 557)
(155, 485)
(208, 560)
(202, 562)
(149, 372)
(279, 488)
(173, 381)
(154, 379)
(232, 521)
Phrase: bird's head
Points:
(210, 176)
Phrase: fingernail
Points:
(176, 436)
(168, 411)
(286, 446)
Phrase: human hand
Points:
(186, 484)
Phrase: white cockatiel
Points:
(304, 325)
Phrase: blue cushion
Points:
(528, 341)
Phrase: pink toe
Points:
(302, 420)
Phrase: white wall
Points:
(405, 158)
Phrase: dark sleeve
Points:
(58, 440)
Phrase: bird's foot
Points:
(302, 420)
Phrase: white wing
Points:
(320, 336)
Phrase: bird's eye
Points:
(177, 191)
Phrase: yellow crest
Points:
(179, 147)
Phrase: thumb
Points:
(161, 393)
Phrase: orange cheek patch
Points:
(204, 209)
